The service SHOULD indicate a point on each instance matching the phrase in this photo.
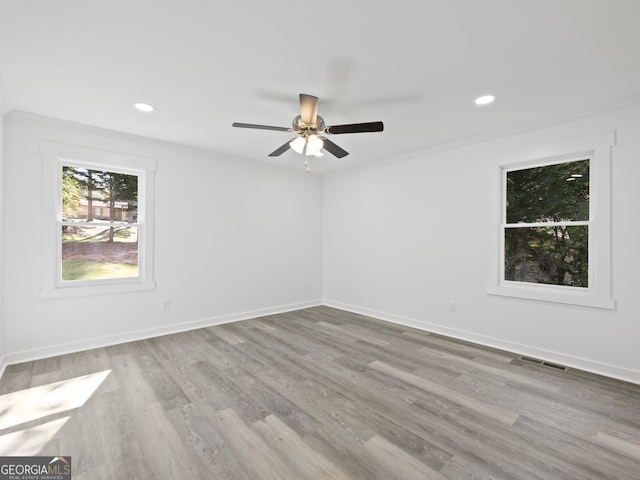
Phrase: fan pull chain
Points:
(306, 155)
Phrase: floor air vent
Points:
(537, 361)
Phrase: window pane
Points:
(553, 193)
(550, 255)
(89, 195)
(100, 252)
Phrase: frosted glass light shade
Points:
(314, 144)
(297, 144)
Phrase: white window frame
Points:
(54, 157)
(597, 148)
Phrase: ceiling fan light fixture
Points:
(307, 125)
(314, 144)
(297, 144)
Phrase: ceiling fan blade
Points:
(280, 150)
(308, 108)
(333, 149)
(260, 127)
(355, 128)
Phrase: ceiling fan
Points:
(309, 126)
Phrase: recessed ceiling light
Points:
(485, 99)
(144, 107)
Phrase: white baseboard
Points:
(3, 365)
(613, 371)
(106, 341)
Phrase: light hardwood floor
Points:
(318, 394)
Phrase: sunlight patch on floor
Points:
(36, 403)
(30, 441)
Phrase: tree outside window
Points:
(546, 226)
(99, 229)
(551, 227)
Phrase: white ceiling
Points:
(417, 65)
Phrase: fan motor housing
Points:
(299, 126)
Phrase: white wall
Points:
(400, 241)
(2, 112)
(4, 108)
(233, 239)
(404, 239)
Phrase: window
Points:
(553, 224)
(98, 242)
(97, 221)
(546, 224)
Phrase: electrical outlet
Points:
(166, 304)
(452, 306)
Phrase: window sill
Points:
(583, 299)
(81, 291)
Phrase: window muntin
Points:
(546, 232)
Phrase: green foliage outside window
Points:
(99, 210)
(543, 242)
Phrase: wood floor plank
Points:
(226, 334)
(329, 407)
(572, 456)
(167, 391)
(250, 449)
(341, 332)
(623, 446)
(318, 393)
(507, 375)
(346, 453)
(307, 462)
(163, 454)
(116, 451)
(396, 463)
(194, 426)
(17, 377)
(442, 429)
(497, 414)
(227, 356)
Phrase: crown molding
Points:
(618, 104)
